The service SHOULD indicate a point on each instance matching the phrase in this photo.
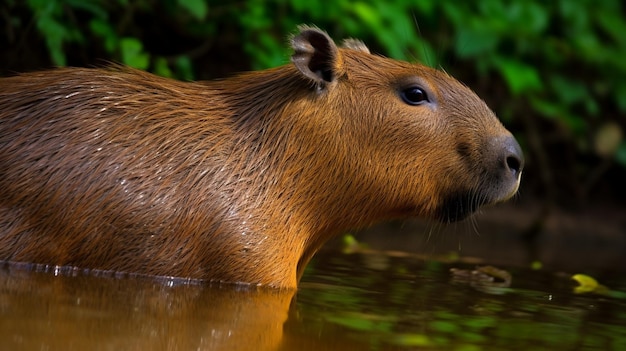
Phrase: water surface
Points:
(369, 300)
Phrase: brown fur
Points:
(239, 180)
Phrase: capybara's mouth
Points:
(459, 207)
(463, 204)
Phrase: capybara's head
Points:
(242, 179)
(422, 143)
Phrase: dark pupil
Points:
(415, 95)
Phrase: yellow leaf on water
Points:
(587, 284)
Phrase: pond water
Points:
(367, 300)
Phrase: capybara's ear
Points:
(316, 55)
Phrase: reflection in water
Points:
(41, 311)
(402, 303)
(365, 301)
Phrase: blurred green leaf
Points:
(162, 68)
(367, 14)
(471, 42)
(198, 8)
(133, 54)
(96, 8)
(614, 25)
(531, 17)
(620, 154)
(520, 77)
(547, 107)
(104, 30)
(184, 68)
(620, 93)
(571, 91)
(55, 36)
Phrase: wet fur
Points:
(238, 180)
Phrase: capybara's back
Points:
(239, 180)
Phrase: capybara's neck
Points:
(292, 168)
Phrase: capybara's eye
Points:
(414, 96)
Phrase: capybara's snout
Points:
(511, 163)
(494, 169)
(514, 158)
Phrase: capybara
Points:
(241, 179)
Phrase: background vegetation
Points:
(555, 72)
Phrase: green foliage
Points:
(133, 54)
(60, 27)
(197, 8)
(48, 16)
(557, 64)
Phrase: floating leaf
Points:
(413, 340)
(351, 245)
(587, 283)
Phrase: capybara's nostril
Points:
(514, 158)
